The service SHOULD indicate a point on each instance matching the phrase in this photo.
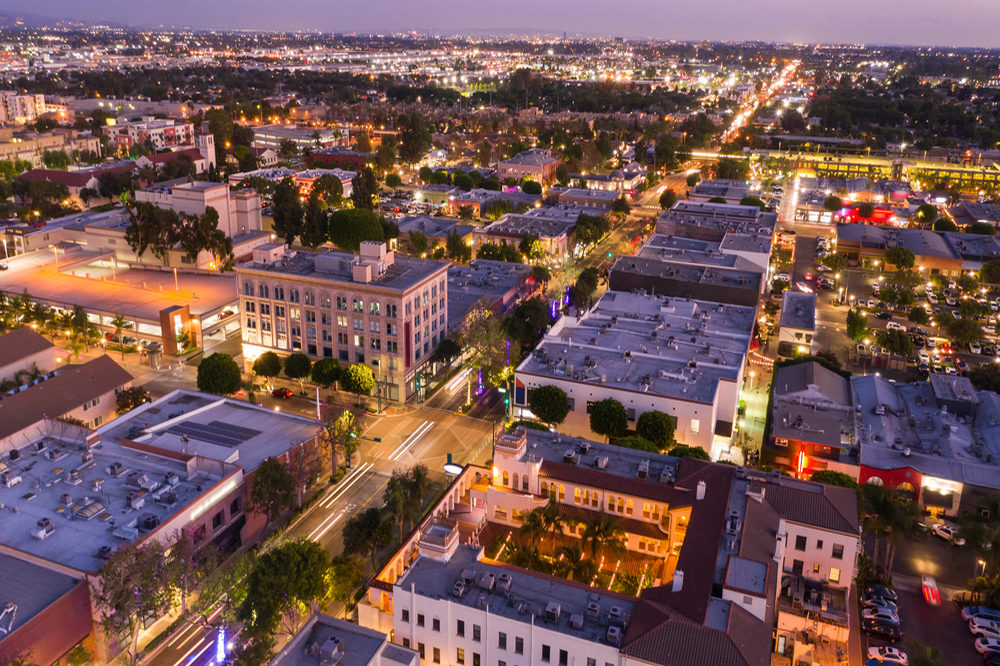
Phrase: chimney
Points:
(700, 492)
(678, 581)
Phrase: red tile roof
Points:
(163, 158)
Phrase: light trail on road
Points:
(411, 440)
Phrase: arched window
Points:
(506, 478)
(621, 505)
(628, 508)
(562, 492)
(576, 496)
(875, 481)
(515, 481)
(545, 487)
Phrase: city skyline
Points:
(893, 22)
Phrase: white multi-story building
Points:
(679, 356)
(239, 210)
(375, 307)
(154, 133)
(20, 109)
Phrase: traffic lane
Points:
(938, 627)
(187, 644)
(366, 493)
(931, 556)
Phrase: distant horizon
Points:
(889, 23)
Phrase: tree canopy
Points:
(549, 403)
(349, 227)
(608, 418)
(358, 378)
(219, 374)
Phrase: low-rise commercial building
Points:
(386, 310)
(732, 191)
(625, 180)
(713, 221)
(554, 235)
(583, 197)
(866, 245)
(679, 356)
(304, 138)
(239, 210)
(497, 285)
(537, 164)
(342, 158)
(435, 229)
(797, 323)
(330, 641)
(30, 146)
(715, 278)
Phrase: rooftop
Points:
(72, 500)
(534, 157)
(696, 252)
(437, 227)
(711, 221)
(721, 188)
(675, 347)
(481, 279)
(691, 271)
(31, 587)
(585, 193)
(812, 404)
(922, 242)
(798, 310)
(323, 637)
(20, 343)
(515, 224)
(334, 266)
(61, 391)
(199, 424)
(531, 594)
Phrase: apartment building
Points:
(375, 307)
(152, 133)
(31, 146)
(304, 138)
(537, 164)
(20, 109)
(23, 350)
(239, 210)
(680, 356)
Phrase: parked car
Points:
(879, 590)
(887, 630)
(880, 614)
(984, 645)
(947, 533)
(886, 654)
(783, 276)
(932, 298)
(879, 602)
(924, 356)
(975, 348)
(885, 315)
(281, 392)
(984, 628)
(986, 612)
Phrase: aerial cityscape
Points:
(404, 335)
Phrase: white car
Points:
(894, 326)
(932, 299)
(987, 645)
(924, 356)
(803, 287)
(887, 654)
(975, 348)
(783, 276)
(981, 628)
(970, 612)
(947, 532)
(881, 614)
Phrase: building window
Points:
(800, 543)
(838, 551)
(591, 661)
(341, 302)
(460, 628)
(374, 308)
(405, 615)
(797, 567)
(563, 658)
(234, 507)
(358, 305)
(420, 649)
(819, 544)
(217, 520)
(816, 568)
(546, 653)
(390, 310)
(279, 293)
(436, 624)
(695, 426)
(420, 619)
(309, 298)
(518, 645)
(459, 656)
(477, 659)
(437, 655)
(834, 575)
(502, 641)
(477, 633)
(406, 642)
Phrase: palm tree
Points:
(416, 490)
(533, 525)
(75, 348)
(602, 533)
(119, 324)
(889, 518)
(397, 503)
(552, 516)
(574, 565)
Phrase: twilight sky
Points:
(921, 22)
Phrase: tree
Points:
(896, 342)
(393, 180)
(529, 186)
(682, 451)
(667, 199)
(549, 403)
(462, 181)
(130, 398)
(857, 325)
(287, 148)
(267, 365)
(367, 532)
(131, 588)
(283, 585)
(328, 188)
(530, 247)
(344, 578)
(751, 200)
(833, 203)
(866, 210)
(584, 288)
(364, 189)
(636, 442)
(495, 252)
(889, 518)
(456, 248)
(418, 241)
(728, 168)
(990, 272)
(918, 316)
(414, 137)
(541, 274)
(325, 372)
(982, 228)
(350, 227)
(466, 213)
(900, 257)
(396, 500)
(219, 374)
(273, 489)
(832, 478)
(525, 324)
(692, 179)
(608, 418)
(986, 377)
(297, 366)
(362, 142)
(287, 211)
(965, 331)
(657, 427)
(926, 213)
(358, 378)
(601, 534)
(574, 565)
(447, 350)
(621, 207)
(425, 174)
(944, 224)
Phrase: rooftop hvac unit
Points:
(601, 462)
(614, 635)
(593, 609)
(331, 652)
(458, 589)
(576, 621)
(615, 613)
(570, 457)
(487, 581)
(552, 610)
(643, 472)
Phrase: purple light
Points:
(479, 391)
(555, 308)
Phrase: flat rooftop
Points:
(922, 242)
(136, 293)
(334, 266)
(585, 193)
(715, 271)
(798, 310)
(432, 226)
(31, 587)
(481, 279)
(532, 158)
(224, 429)
(700, 252)
(118, 496)
(714, 220)
(530, 593)
(515, 224)
(360, 646)
(669, 346)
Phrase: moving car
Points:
(947, 533)
(886, 654)
(929, 588)
(281, 392)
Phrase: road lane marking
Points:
(337, 490)
(321, 529)
(408, 440)
(413, 439)
(181, 634)
(196, 646)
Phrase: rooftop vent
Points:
(458, 589)
(601, 462)
(643, 472)
(331, 652)
(552, 610)
(593, 609)
(614, 635)
(615, 613)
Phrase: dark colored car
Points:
(879, 590)
(884, 315)
(887, 630)
(281, 392)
